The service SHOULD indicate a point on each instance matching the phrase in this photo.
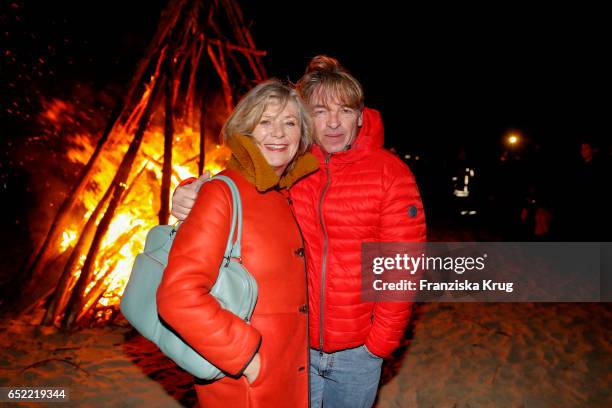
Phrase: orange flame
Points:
(139, 209)
(68, 239)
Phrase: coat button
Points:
(299, 252)
(301, 368)
(303, 309)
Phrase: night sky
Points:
(441, 77)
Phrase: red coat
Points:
(272, 252)
(363, 194)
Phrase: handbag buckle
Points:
(229, 258)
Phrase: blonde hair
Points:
(328, 81)
(250, 109)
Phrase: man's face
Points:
(336, 125)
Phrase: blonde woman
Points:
(269, 133)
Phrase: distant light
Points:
(416, 157)
(513, 138)
(472, 212)
(407, 157)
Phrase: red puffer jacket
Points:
(364, 194)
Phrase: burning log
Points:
(95, 293)
(203, 116)
(220, 67)
(65, 284)
(118, 186)
(91, 298)
(173, 68)
(59, 299)
(164, 211)
(39, 259)
(196, 53)
(159, 163)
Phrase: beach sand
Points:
(453, 355)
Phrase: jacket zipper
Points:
(290, 201)
(324, 263)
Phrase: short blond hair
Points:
(250, 109)
(328, 81)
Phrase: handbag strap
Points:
(232, 249)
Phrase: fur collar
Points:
(250, 162)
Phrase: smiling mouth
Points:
(334, 135)
(276, 147)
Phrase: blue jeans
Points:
(347, 378)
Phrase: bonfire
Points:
(163, 129)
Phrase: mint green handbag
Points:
(235, 289)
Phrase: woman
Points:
(266, 361)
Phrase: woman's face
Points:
(278, 134)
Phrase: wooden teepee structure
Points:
(197, 43)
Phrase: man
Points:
(361, 193)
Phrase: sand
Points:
(454, 355)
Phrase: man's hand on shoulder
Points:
(185, 196)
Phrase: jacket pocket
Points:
(261, 374)
(368, 352)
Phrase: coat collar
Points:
(250, 162)
(370, 137)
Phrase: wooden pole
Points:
(59, 298)
(33, 290)
(36, 263)
(227, 86)
(63, 289)
(182, 34)
(92, 297)
(164, 210)
(190, 99)
(202, 159)
(227, 89)
(119, 186)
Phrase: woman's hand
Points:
(252, 371)
(184, 197)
